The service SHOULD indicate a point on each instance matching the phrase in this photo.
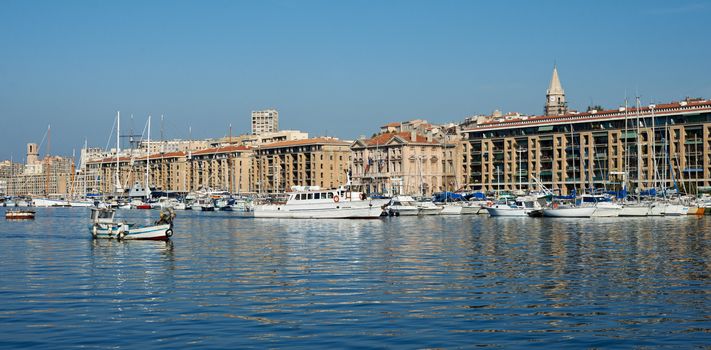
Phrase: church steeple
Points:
(555, 96)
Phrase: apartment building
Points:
(322, 162)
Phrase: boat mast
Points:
(117, 186)
(654, 152)
(47, 161)
(84, 170)
(148, 158)
(626, 159)
(639, 154)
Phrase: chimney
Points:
(429, 137)
(413, 136)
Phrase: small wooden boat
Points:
(103, 225)
(19, 215)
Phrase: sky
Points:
(335, 68)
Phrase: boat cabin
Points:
(102, 215)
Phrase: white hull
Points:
(657, 209)
(569, 212)
(404, 211)
(507, 211)
(634, 210)
(451, 209)
(343, 211)
(605, 209)
(107, 231)
(472, 209)
(429, 211)
(82, 204)
(46, 203)
(676, 210)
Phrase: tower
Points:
(555, 97)
(32, 154)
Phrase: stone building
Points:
(322, 162)
(406, 163)
(656, 146)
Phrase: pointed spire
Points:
(555, 88)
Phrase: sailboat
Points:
(637, 208)
(569, 211)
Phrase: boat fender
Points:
(169, 232)
(363, 196)
(489, 204)
(93, 231)
(336, 199)
(555, 205)
(121, 235)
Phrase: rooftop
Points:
(688, 106)
(314, 141)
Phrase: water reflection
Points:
(231, 281)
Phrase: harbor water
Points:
(227, 280)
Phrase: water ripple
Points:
(228, 281)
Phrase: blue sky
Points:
(340, 68)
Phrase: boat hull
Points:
(451, 209)
(634, 210)
(119, 231)
(569, 212)
(675, 210)
(507, 211)
(607, 210)
(317, 212)
(19, 215)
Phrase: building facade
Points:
(658, 146)
(406, 162)
(322, 162)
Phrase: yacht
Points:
(604, 207)
(403, 206)
(428, 208)
(520, 206)
(314, 203)
(568, 211)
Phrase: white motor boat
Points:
(564, 211)
(47, 202)
(451, 209)
(473, 207)
(403, 206)
(428, 208)
(313, 203)
(521, 206)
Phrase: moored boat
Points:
(634, 209)
(19, 214)
(563, 211)
(103, 225)
(428, 208)
(520, 206)
(314, 203)
(403, 206)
